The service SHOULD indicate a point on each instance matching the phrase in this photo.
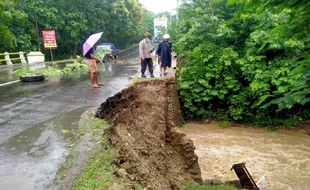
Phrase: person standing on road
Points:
(91, 61)
(164, 52)
(145, 50)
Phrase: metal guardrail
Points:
(9, 60)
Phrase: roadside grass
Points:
(89, 125)
(98, 172)
(209, 187)
(93, 125)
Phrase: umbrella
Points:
(90, 42)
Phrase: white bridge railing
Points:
(9, 57)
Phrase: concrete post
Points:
(7, 58)
(10, 72)
(22, 58)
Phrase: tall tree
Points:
(13, 27)
(245, 60)
(122, 22)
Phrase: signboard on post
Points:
(159, 25)
(49, 39)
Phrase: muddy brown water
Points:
(283, 156)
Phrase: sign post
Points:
(49, 39)
(160, 24)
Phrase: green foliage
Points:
(100, 54)
(247, 61)
(122, 22)
(24, 72)
(75, 66)
(270, 123)
(52, 71)
(13, 23)
(224, 124)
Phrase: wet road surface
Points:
(6, 74)
(283, 156)
(34, 115)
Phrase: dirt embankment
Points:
(144, 123)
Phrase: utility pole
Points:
(37, 29)
(177, 10)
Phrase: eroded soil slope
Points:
(144, 123)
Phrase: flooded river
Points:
(283, 156)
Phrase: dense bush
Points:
(247, 62)
(69, 69)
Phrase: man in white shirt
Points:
(145, 50)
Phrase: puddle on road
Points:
(283, 156)
(6, 74)
(30, 159)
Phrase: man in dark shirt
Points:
(91, 61)
(164, 52)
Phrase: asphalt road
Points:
(33, 116)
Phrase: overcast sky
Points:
(159, 5)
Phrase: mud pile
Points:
(144, 123)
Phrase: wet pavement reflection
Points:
(29, 159)
(25, 104)
(34, 115)
(6, 74)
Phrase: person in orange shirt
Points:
(91, 61)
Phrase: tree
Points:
(244, 60)
(122, 22)
(12, 27)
